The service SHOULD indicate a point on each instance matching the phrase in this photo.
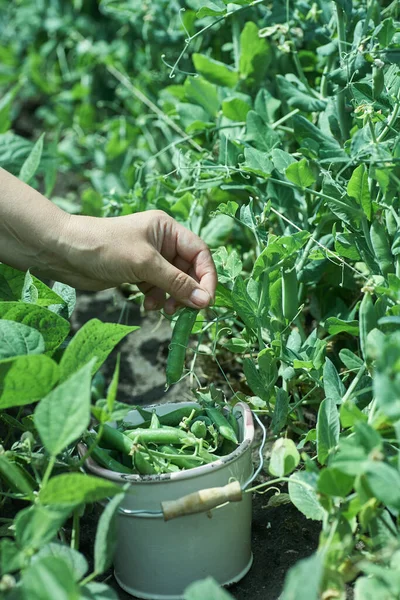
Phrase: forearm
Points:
(31, 227)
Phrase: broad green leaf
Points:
(350, 414)
(235, 109)
(333, 386)
(12, 283)
(328, 428)
(296, 97)
(259, 133)
(281, 159)
(206, 588)
(281, 410)
(351, 458)
(223, 297)
(381, 247)
(49, 578)
(255, 53)
(284, 457)
(303, 494)
(211, 8)
(53, 328)
(243, 304)
(26, 379)
(63, 415)
(254, 380)
(215, 71)
(203, 93)
(32, 163)
(384, 482)
(29, 292)
(304, 579)
(333, 325)
(371, 588)
(257, 162)
(350, 360)
(358, 189)
(335, 483)
(327, 147)
(300, 174)
(72, 489)
(113, 387)
(76, 561)
(68, 294)
(106, 537)
(97, 591)
(94, 339)
(11, 558)
(17, 339)
(37, 525)
(14, 477)
(236, 345)
(266, 106)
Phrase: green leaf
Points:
(32, 163)
(49, 578)
(53, 328)
(12, 282)
(235, 109)
(327, 147)
(203, 93)
(303, 494)
(333, 325)
(350, 360)
(304, 579)
(26, 379)
(68, 294)
(255, 53)
(11, 559)
(333, 386)
(259, 133)
(215, 71)
(63, 415)
(29, 292)
(76, 561)
(384, 482)
(335, 483)
(106, 536)
(328, 428)
(281, 410)
(97, 591)
(211, 8)
(257, 162)
(206, 588)
(284, 457)
(14, 477)
(371, 588)
(300, 174)
(298, 98)
(358, 188)
(254, 380)
(38, 525)
(243, 304)
(281, 159)
(17, 339)
(94, 339)
(72, 489)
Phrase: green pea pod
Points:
(165, 435)
(105, 460)
(173, 418)
(233, 423)
(367, 319)
(199, 429)
(222, 424)
(116, 440)
(391, 223)
(380, 245)
(179, 342)
(378, 82)
(182, 461)
(289, 294)
(142, 462)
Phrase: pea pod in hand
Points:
(179, 342)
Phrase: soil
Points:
(281, 535)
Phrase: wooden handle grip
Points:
(201, 501)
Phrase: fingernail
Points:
(200, 297)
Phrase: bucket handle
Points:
(201, 501)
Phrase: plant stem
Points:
(236, 41)
(49, 469)
(354, 383)
(341, 96)
(75, 536)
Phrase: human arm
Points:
(150, 249)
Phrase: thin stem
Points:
(354, 383)
(285, 118)
(391, 120)
(49, 469)
(75, 536)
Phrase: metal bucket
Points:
(158, 559)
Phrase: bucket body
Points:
(157, 559)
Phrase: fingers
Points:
(180, 285)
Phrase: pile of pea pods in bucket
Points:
(183, 439)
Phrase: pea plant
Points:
(271, 130)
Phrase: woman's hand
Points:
(150, 249)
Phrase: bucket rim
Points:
(245, 444)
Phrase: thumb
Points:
(178, 284)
